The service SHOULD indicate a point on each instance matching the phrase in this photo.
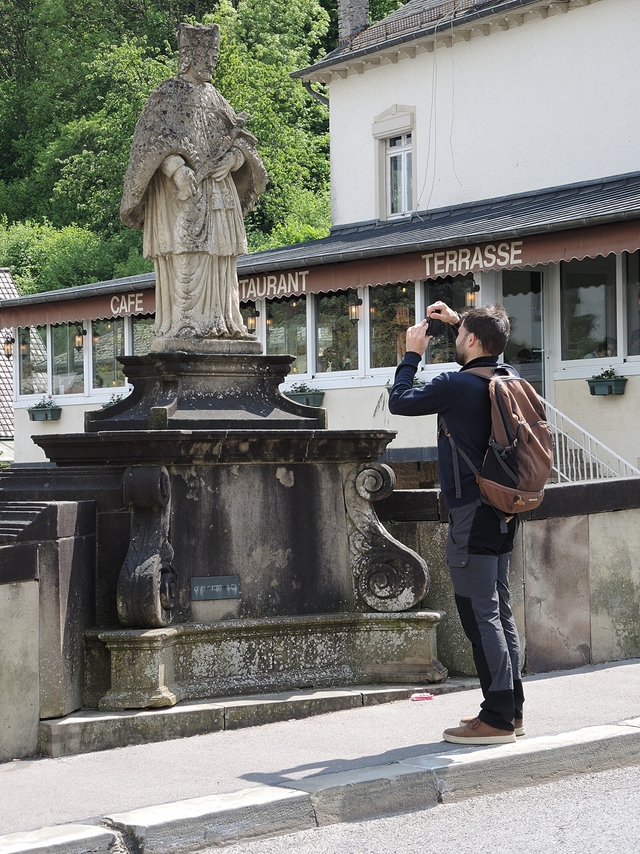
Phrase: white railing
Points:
(577, 455)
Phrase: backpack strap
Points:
(455, 450)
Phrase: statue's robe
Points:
(193, 242)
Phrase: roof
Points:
(428, 19)
(8, 290)
(555, 209)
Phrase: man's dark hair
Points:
(490, 324)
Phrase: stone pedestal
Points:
(158, 667)
(251, 555)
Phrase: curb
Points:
(88, 731)
(365, 793)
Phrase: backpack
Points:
(519, 458)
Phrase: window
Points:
(337, 336)
(107, 345)
(287, 330)
(32, 360)
(391, 312)
(588, 308)
(68, 358)
(142, 334)
(399, 175)
(522, 299)
(633, 304)
(393, 131)
(459, 293)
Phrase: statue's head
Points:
(198, 48)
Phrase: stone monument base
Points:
(153, 668)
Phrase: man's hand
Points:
(417, 341)
(441, 311)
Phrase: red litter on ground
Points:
(421, 697)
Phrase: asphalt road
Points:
(588, 814)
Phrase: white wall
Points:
(71, 421)
(551, 102)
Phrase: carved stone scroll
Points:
(388, 576)
(147, 586)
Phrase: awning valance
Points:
(440, 261)
(508, 254)
(76, 310)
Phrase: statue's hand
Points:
(224, 167)
(185, 180)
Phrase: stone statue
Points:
(194, 173)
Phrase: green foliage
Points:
(43, 258)
(74, 78)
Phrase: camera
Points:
(435, 327)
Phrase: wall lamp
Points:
(79, 337)
(251, 319)
(7, 345)
(354, 309)
(470, 295)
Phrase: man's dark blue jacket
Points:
(463, 401)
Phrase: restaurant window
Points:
(142, 334)
(107, 346)
(32, 360)
(633, 304)
(588, 308)
(458, 292)
(68, 341)
(337, 336)
(287, 330)
(522, 300)
(399, 175)
(391, 312)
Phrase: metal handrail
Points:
(578, 456)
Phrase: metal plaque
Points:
(215, 587)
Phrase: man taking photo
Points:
(479, 542)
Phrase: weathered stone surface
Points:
(67, 609)
(188, 391)
(158, 667)
(368, 792)
(87, 731)
(557, 602)
(19, 670)
(215, 820)
(194, 173)
(388, 576)
(62, 839)
(614, 562)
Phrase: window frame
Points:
(398, 120)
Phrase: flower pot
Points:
(612, 386)
(48, 413)
(309, 398)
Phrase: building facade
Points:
(480, 151)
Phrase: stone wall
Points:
(575, 574)
(47, 601)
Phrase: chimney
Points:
(353, 16)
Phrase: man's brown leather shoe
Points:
(518, 724)
(478, 732)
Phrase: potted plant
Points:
(302, 393)
(607, 382)
(45, 410)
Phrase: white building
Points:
(480, 151)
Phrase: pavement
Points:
(369, 760)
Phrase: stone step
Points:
(88, 731)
